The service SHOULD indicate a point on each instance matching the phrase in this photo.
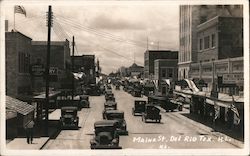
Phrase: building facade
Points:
(135, 70)
(190, 17)
(166, 71)
(18, 57)
(151, 55)
(60, 63)
(86, 64)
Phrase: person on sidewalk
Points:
(29, 131)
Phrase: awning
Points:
(19, 106)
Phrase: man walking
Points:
(29, 131)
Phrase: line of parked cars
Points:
(113, 124)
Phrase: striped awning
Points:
(19, 106)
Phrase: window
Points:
(170, 72)
(201, 43)
(23, 62)
(206, 42)
(213, 40)
(163, 72)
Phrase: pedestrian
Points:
(29, 131)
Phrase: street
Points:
(173, 131)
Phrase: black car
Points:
(84, 101)
(112, 104)
(152, 113)
(105, 136)
(119, 116)
(139, 107)
(69, 118)
(136, 93)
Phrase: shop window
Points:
(170, 72)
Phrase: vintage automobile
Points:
(105, 136)
(167, 103)
(105, 110)
(119, 116)
(93, 90)
(84, 101)
(69, 118)
(117, 87)
(152, 113)
(110, 104)
(139, 107)
(69, 102)
(136, 93)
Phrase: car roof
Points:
(110, 102)
(105, 123)
(114, 111)
(158, 97)
(69, 108)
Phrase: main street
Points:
(175, 131)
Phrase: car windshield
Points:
(104, 129)
(115, 116)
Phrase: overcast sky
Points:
(116, 34)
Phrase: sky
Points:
(117, 34)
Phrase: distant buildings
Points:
(135, 70)
(151, 55)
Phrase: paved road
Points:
(173, 131)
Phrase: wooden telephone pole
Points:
(73, 64)
(47, 75)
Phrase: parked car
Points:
(105, 136)
(152, 113)
(69, 118)
(84, 101)
(169, 104)
(93, 90)
(110, 104)
(139, 107)
(136, 93)
(105, 110)
(119, 116)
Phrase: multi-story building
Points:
(166, 71)
(60, 62)
(190, 17)
(18, 58)
(86, 64)
(151, 55)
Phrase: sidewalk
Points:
(39, 140)
(21, 144)
(205, 129)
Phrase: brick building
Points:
(18, 56)
(135, 70)
(166, 70)
(86, 64)
(60, 62)
(151, 55)
(190, 17)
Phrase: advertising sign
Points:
(37, 70)
(233, 78)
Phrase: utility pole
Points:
(47, 75)
(73, 64)
(158, 45)
(147, 43)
